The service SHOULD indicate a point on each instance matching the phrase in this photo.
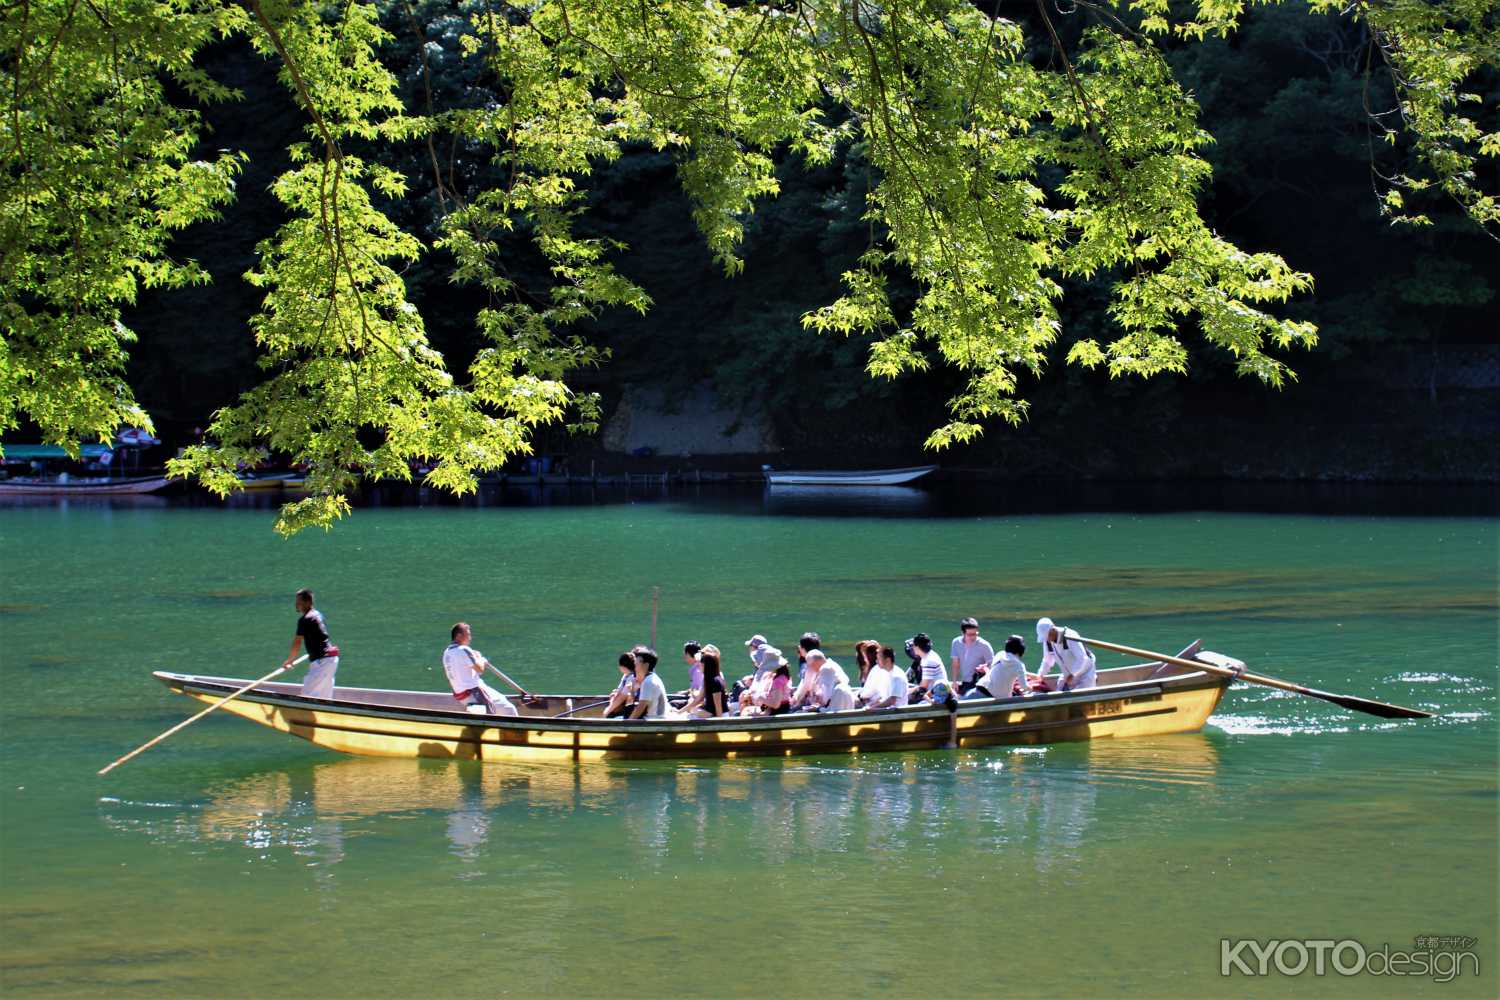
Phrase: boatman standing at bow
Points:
(1063, 647)
(322, 655)
(462, 664)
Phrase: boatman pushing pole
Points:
(323, 656)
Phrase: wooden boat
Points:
(272, 481)
(73, 486)
(1147, 700)
(829, 477)
(260, 480)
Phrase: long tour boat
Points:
(1146, 700)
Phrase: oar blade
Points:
(1204, 661)
(1370, 707)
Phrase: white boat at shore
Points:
(68, 486)
(855, 477)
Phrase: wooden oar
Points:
(504, 677)
(1380, 708)
(183, 725)
(581, 708)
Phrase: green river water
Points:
(232, 861)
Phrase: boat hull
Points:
(867, 477)
(82, 487)
(273, 482)
(1169, 705)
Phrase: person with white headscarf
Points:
(1064, 648)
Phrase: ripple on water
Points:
(1264, 725)
(218, 598)
(1456, 682)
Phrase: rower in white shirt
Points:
(462, 664)
(1065, 648)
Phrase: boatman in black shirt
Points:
(322, 655)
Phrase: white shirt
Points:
(842, 699)
(830, 676)
(932, 668)
(1006, 671)
(877, 686)
(900, 688)
(654, 694)
(462, 664)
(1073, 658)
(971, 658)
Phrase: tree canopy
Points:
(1009, 151)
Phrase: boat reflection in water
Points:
(847, 501)
(1038, 801)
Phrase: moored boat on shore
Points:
(80, 486)
(1147, 700)
(854, 477)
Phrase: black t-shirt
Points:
(710, 685)
(314, 632)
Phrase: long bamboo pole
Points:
(184, 724)
(655, 595)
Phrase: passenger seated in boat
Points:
(462, 665)
(764, 659)
(1007, 675)
(623, 699)
(831, 691)
(876, 684)
(899, 686)
(866, 658)
(710, 699)
(913, 669)
(753, 697)
(1074, 660)
(931, 666)
(942, 693)
(651, 702)
(690, 652)
(808, 642)
(805, 697)
(778, 699)
(970, 655)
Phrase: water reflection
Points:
(1035, 803)
(85, 502)
(868, 501)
